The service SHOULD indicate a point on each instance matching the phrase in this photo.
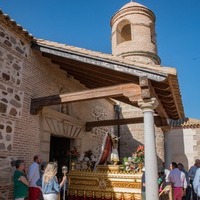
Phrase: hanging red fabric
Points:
(106, 150)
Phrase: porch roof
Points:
(96, 69)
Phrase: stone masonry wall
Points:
(12, 53)
(132, 134)
(93, 112)
(25, 74)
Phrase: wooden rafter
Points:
(103, 63)
(113, 122)
(160, 109)
(131, 91)
(93, 70)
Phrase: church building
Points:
(55, 97)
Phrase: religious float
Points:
(105, 183)
(101, 181)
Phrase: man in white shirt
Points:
(178, 181)
(33, 176)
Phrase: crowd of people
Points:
(38, 183)
(185, 184)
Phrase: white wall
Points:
(180, 145)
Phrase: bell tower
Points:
(133, 34)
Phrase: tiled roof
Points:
(191, 123)
(7, 20)
(156, 68)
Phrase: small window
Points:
(123, 31)
(126, 32)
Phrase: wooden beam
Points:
(128, 90)
(144, 84)
(148, 91)
(102, 62)
(94, 77)
(129, 101)
(94, 71)
(114, 122)
(160, 109)
(164, 86)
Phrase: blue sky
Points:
(86, 23)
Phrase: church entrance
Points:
(58, 149)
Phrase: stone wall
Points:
(25, 74)
(97, 134)
(12, 53)
(132, 134)
(93, 111)
(15, 43)
(6, 134)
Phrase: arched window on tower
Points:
(124, 31)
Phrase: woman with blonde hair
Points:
(50, 186)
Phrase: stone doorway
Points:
(58, 149)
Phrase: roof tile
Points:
(157, 68)
(15, 25)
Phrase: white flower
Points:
(129, 159)
(81, 157)
(127, 168)
(127, 163)
(86, 159)
(93, 158)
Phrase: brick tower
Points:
(133, 34)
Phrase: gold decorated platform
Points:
(107, 182)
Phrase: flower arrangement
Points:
(128, 164)
(73, 154)
(133, 163)
(89, 158)
(139, 154)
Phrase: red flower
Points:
(73, 154)
(140, 148)
(139, 155)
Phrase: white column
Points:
(151, 168)
(168, 149)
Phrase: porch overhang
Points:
(95, 70)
